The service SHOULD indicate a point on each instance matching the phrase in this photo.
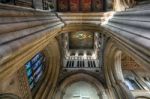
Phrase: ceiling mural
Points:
(63, 5)
(80, 5)
(98, 5)
(74, 5)
(81, 40)
(86, 5)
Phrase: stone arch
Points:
(142, 97)
(51, 52)
(80, 27)
(9, 96)
(111, 54)
(81, 77)
(113, 71)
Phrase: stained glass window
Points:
(132, 85)
(34, 69)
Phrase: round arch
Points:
(81, 77)
(113, 71)
(51, 52)
(142, 97)
(9, 96)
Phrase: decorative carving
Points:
(86, 5)
(23, 83)
(129, 63)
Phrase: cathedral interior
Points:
(74, 49)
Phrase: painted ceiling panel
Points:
(63, 5)
(86, 5)
(74, 5)
(81, 40)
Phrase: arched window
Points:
(132, 85)
(34, 69)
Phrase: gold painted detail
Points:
(81, 35)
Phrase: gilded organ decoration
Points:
(81, 40)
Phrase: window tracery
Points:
(34, 69)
